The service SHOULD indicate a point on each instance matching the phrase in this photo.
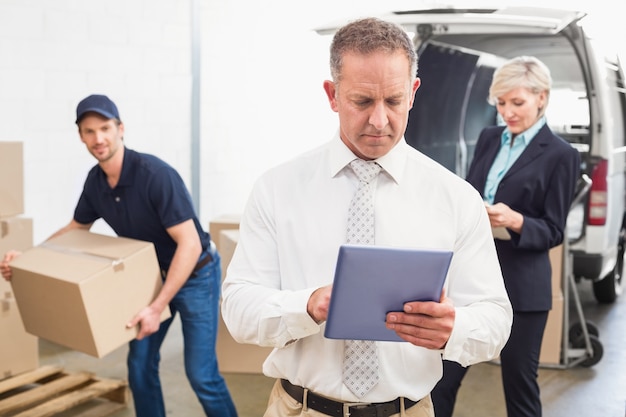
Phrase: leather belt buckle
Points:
(346, 407)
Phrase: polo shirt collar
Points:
(128, 163)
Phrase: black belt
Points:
(202, 262)
(338, 409)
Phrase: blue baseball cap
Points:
(97, 103)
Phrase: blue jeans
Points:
(198, 303)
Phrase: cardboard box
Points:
(16, 233)
(551, 345)
(19, 351)
(233, 356)
(223, 222)
(227, 242)
(80, 289)
(556, 261)
(11, 179)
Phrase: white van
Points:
(458, 51)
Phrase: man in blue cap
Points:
(142, 197)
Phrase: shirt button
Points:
(117, 199)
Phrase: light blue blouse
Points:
(507, 155)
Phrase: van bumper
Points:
(587, 265)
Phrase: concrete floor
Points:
(596, 391)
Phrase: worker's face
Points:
(372, 99)
(103, 137)
(520, 108)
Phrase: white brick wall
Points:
(52, 54)
(261, 84)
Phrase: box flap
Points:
(77, 255)
(54, 263)
(96, 244)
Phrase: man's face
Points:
(372, 99)
(102, 136)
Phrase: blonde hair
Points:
(523, 71)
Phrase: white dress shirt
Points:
(290, 233)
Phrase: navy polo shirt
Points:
(149, 197)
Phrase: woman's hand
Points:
(501, 215)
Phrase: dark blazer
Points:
(540, 185)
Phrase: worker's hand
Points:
(148, 320)
(5, 269)
(317, 307)
(424, 323)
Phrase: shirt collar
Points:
(392, 163)
(126, 176)
(526, 136)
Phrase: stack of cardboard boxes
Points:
(552, 345)
(78, 290)
(232, 356)
(16, 233)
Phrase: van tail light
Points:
(598, 195)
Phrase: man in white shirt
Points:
(278, 285)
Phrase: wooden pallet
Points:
(49, 391)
